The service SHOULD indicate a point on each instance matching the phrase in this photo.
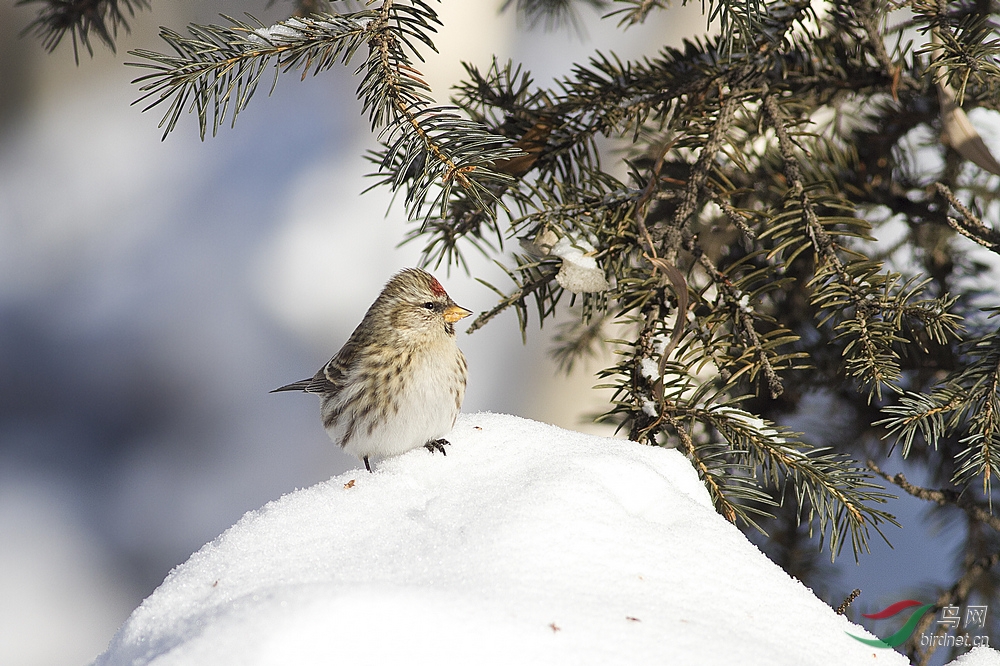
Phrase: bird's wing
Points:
(328, 380)
(331, 378)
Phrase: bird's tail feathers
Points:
(301, 385)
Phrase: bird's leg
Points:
(367, 466)
(437, 445)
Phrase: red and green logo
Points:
(904, 632)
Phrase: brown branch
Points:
(866, 16)
(519, 295)
(943, 497)
(734, 216)
(673, 276)
(822, 242)
(674, 232)
(687, 446)
(744, 323)
(680, 287)
(646, 427)
(642, 205)
(824, 246)
(970, 226)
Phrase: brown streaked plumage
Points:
(399, 380)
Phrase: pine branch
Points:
(216, 69)
(642, 396)
(869, 303)
(836, 490)
(734, 495)
(674, 231)
(966, 50)
(970, 225)
(535, 280)
(740, 21)
(869, 14)
(550, 13)
(81, 19)
(580, 113)
(429, 149)
(635, 11)
(966, 404)
(760, 352)
(943, 497)
(848, 600)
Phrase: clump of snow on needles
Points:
(277, 34)
(579, 272)
(755, 423)
(526, 544)
(649, 368)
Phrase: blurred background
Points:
(152, 293)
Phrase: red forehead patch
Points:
(437, 288)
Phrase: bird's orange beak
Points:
(455, 312)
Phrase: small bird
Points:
(399, 380)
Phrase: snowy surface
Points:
(526, 544)
(979, 656)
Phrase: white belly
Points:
(427, 408)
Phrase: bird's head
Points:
(415, 302)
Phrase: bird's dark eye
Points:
(429, 305)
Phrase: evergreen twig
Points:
(81, 19)
(943, 497)
(429, 149)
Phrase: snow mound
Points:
(526, 544)
(978, 656)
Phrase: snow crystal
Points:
(649, 408)
(649, 368)
(525, 544)
(755, 423)
(659, 346)
(579, 272)
(279, 33)
(257, 40)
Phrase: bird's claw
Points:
(437, 445)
